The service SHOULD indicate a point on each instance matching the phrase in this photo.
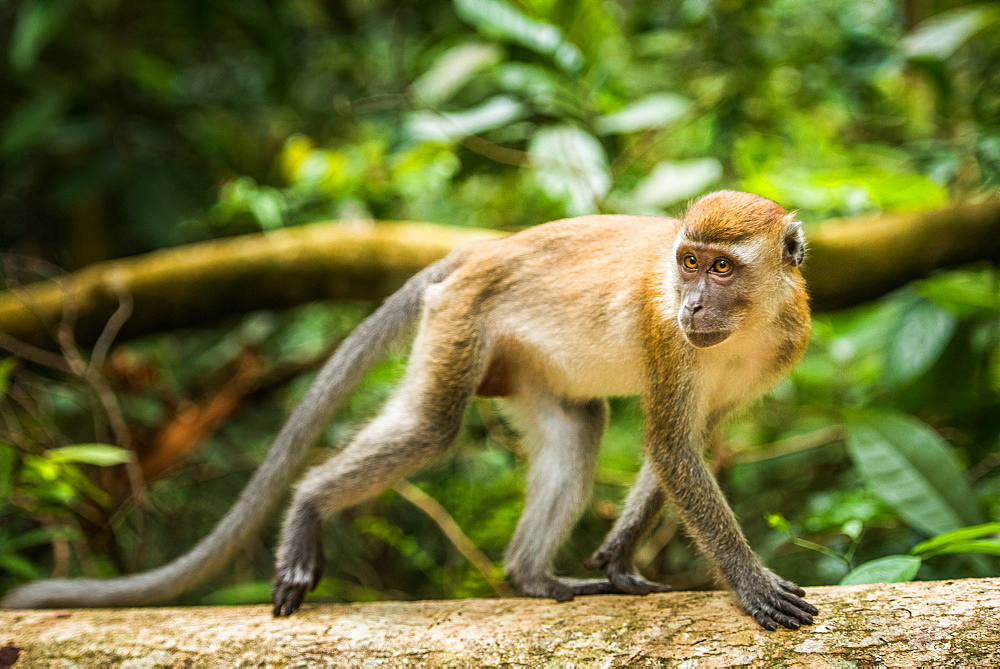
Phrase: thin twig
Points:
(114, 325)
(94, 377)
(26, 351)
(456, 536)
(800, 442)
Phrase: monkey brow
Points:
(718, 235)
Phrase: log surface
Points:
(942, 623)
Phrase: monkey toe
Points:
(562, 589)
(631, 583)
(290, 589)
(287, 598)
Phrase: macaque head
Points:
(735, 255)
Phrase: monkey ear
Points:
(794, 245)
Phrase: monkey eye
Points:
(722, 266)
(690, 261)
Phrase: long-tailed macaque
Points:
(698, 316)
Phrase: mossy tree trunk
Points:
(942, 623)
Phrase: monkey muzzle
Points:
(700, 327)
(700, 339)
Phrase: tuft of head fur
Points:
(729, 216)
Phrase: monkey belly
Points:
(578, 374)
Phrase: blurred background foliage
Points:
(127, 127)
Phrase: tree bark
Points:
(850, 261)
(939, 623)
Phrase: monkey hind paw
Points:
(631, 583)
(288, 593)
(624, 578)
(565, 589)
(291, 585)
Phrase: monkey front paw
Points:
(294, 579)
(775, 602)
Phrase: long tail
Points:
(368, 344)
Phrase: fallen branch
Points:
(939, 623)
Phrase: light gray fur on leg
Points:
(418, 423)
(562, 438)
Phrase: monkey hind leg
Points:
(562, 438)
(419, 422)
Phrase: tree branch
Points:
(850, 261)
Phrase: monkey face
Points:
(712, 300)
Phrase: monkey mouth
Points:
(700, 339)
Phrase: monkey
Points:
(697, 316)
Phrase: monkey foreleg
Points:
(703, 509)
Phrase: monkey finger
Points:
(788, 586)
(764, 620)
(796, 611)
(787, 621)
(800, 604)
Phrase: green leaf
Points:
(7, 366)
(672, 182)
(17, 565)
(779, 522)
(36, 23)
(940, 36)
(912, 469)
(935, 545)
(8, 461)
(102, 455)
(650, 112)
(30, 122)
(447, 127)
(921, 335)
(890, 569)
(571, 167)
(453, 69)
(964, 292)
(28, 539)
(981, 546)
(500, 19)
(244, 594)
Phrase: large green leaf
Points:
(652, 111)
(453, 69)
(890, 569)
(921, 334)
(36, 23)
(570, 166)
(940, 36)
(447, 127)
(500, 19)
(945, 543)
(672, 181)
(911, 468)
